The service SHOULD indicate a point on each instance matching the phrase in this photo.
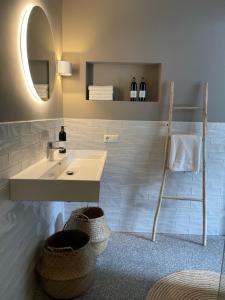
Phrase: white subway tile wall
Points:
(133, 170)
(129, 188)
(23, 225)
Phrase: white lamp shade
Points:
(64, 68)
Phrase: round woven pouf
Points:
(186, 285)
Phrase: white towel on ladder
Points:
(185, 152)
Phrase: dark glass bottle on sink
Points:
(62, 140)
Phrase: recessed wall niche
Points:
(119, 74)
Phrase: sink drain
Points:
(69, 172)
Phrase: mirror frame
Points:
(24, 52)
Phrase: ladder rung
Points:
(183, 198)
(186, 107)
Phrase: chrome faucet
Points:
(51, 149)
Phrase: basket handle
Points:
(79, 214)
(76, 215)
(64, 249)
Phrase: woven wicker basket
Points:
(67, 264)
(91, 220)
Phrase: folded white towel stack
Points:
(185, 152)
(100, 92)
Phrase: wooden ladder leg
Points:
(204, 211)
(158, 206)
(166, 149)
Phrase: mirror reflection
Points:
(41, 53)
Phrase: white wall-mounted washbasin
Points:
(50, 180)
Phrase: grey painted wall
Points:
(16, 102)
(187, 37)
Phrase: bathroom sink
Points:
(74, 177)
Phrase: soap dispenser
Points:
(62, 140)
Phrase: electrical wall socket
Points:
(111, 138)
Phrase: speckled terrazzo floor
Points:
(132, 263)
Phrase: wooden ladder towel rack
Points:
(166, 157)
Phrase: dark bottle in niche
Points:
(133, 90)
(142, 90)
(62, 140)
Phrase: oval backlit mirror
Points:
(38, 53)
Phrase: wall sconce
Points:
(64, 68)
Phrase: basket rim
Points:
(84, 209)
(45, 247)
